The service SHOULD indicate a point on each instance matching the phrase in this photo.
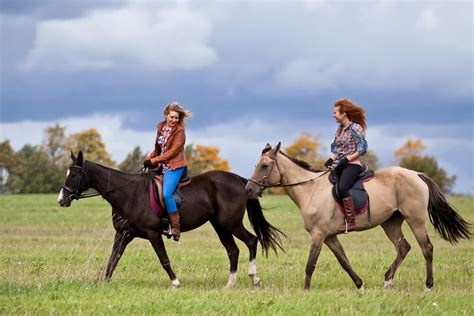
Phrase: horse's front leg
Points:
(157, 242)
(333, 243)
(121, 240)
(317, 239)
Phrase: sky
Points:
(251, 72)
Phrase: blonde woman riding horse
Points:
(397, 195)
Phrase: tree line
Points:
(41, 168)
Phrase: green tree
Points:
(7, 161)
(371, 160)
(90, 142)
(133, 161)
(202, 158)
(411, 156)
(34, 172)
(429, 166)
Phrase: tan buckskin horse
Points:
(396, 195)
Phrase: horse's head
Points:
(76, 181)
(266, 173)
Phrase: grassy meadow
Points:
(53, 259)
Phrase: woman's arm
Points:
(174, 148)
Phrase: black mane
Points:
(301, 163)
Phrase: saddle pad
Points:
(155, 206)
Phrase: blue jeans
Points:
(170, 183)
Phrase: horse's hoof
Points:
(388, 285)
(175, 284)
(361, 290)
(257, 282)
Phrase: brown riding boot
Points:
(350, 215)
(174, 225)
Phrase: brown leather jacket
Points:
(174, 153)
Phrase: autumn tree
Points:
(90, 142)
(133, 161)
(307, 148)
(202, 158)
(411, 156)
(412, 147)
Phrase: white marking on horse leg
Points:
(60, 196)
(253, 273)
(361, 290)
(388, 284)
(175, 283)
(231, 280)
(253, 267)
(427, 289)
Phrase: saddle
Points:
(357, 191)
(156, 192)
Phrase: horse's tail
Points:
(267, 234)
(446, 221)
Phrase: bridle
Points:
(76, 194)
(263, 181)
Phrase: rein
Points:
(262, 184)
(76, 195)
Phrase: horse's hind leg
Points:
(393, 230)
(251, 241)
(421, 235)
(122, 239)
(336, 247)
(232, 251)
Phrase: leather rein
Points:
(76, 195)
(262, 182)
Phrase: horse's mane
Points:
(301, 163)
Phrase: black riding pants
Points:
(347, 176)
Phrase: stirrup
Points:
(345, 228)
(167, 232)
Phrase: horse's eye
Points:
(264, 166)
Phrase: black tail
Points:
(447, 222)
(267, 234)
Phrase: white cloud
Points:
(427, 20)
(241, 141)
(135, 35)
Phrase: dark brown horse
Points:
(215, 196)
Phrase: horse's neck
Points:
(292, 173)
(105, 180)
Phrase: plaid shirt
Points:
(351, 140)
(163, 143)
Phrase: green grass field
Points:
(52, 260)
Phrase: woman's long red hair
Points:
(354, 112)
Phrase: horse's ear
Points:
(267, 148)
(80, 158)
(72, 156)
(277, 148)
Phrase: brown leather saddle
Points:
(357, 191)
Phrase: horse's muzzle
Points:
(64, 201)
(253, 191)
